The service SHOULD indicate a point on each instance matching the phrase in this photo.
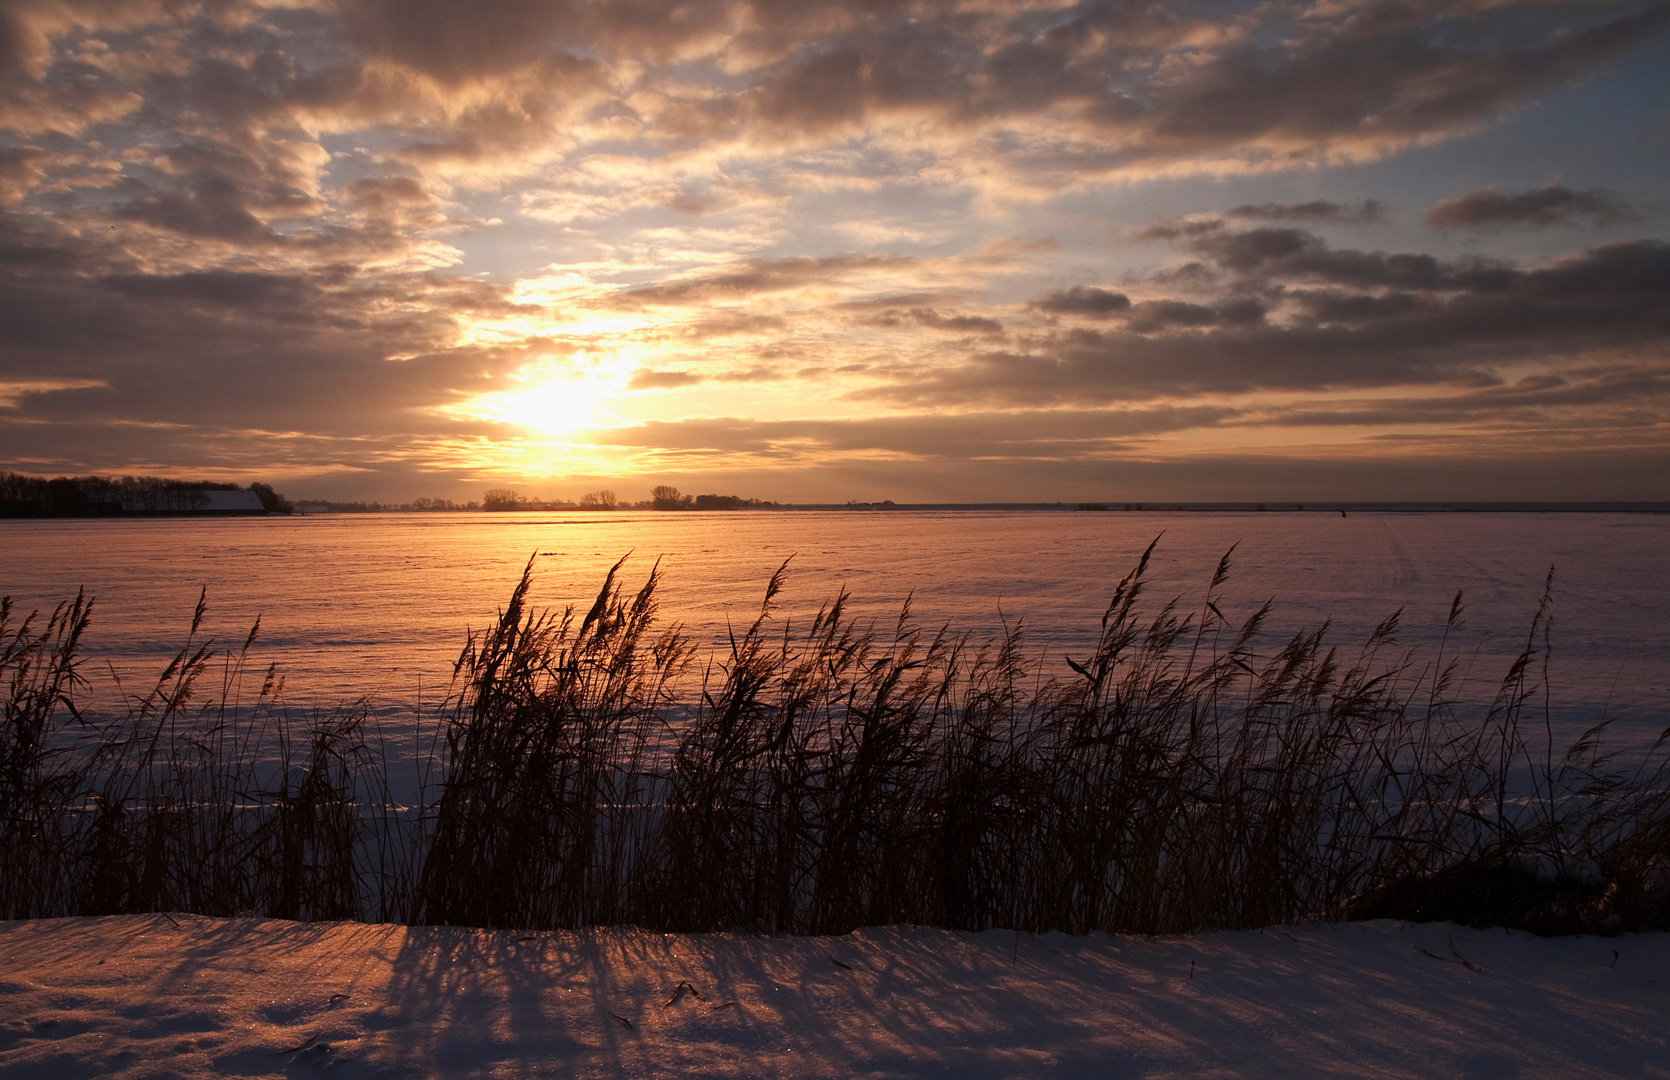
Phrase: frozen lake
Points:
(378, 605)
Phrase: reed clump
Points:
(192, 800)
(818, 776)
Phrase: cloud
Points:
(1382, 321)
(1004, 95)
(1356, 82)
(1320, 211)
(1290, 254)
(921, 436)
(935, 320)
(21, 168)
(761, 276)
(320, 231)
(396, 200)
(213, 207)
(243, 291)
(1084, 300)
(1342, 306)
(13, 391)
(1541, 208)
(650, 379)
(453, 43)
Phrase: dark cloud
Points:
(1339, 306)
(1360, 80)
(213, 207)
(887, 301)
(14, 48)
(957, 324)
(1155, 315)
(1084, 300)
(1192, 276)
(1138, 83)
(1627, 274)
(1319, 210)
(936, 320)
(1611, 400)
(1408, 320)
(1297, 255)
(1367, 77)
(1192, 229)
(220, 352)
(457, 42)
(1257, 249)
(1539, 209)
(386, 196)
(245, 291)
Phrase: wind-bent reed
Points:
(538, 820)
(828, 776)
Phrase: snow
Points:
(182, 995)
(377, 605)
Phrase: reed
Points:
(589, 768)
(192, 800)
(545, 770)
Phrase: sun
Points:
(557, 406)
(553, 403)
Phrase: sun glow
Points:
(558, 406)
(553, 403)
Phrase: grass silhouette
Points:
(590, 769)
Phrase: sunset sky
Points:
(987, 250)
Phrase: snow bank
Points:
(145, 996)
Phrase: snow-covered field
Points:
(377, 605)
(154, 995)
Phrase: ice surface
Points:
(154, 995)
(377, 605)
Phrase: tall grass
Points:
(193, 800)
(815, 776)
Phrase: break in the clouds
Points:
(1008, 249)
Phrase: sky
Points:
(808, 251)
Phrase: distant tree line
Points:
(99, 496)
(511, 499)
(663, 497)
(670, 498)
(328, 506)
(102, 496)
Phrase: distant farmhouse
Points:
(101, 496)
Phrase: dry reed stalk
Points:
(832, 775)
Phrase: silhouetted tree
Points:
(272, 500)
(599, 500)
(665, 497)
(502, 499)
